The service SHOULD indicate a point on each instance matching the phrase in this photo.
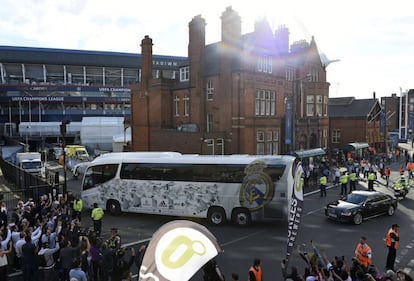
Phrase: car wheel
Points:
(241, 217)
(357, 218)
(216, 216)
(390, 210)
(113, 207)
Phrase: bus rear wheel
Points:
(216, 216)
(113, 207)
(241, 217)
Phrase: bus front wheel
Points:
(113, 207)
(241, 217)
(217, 216)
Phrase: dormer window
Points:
(264, 64)
(185, 73)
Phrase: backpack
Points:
(41, 260)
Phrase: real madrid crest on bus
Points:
(257, 188)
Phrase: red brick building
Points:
(253, 93)
(355, 121)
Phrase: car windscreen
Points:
(355, 198)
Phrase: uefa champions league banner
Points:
(177, 251)
(295, 212)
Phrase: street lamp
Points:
(63, 133)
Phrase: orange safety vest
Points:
(362, 254)
(389, 239)
(257, 273)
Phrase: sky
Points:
(373, 40)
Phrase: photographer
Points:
(121, 264)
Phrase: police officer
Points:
(352, 181)
(114, 241)
(77, 208)
(344, 182)
(323, 181)
(371, 179)
(97, 215)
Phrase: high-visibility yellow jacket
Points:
(97, 214)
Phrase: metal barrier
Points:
(24, 186)
(12, 197)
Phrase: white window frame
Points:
(209, 90)
(184, 73)
(210, 146)
(264, 64)
(177, 106)
(336, 136)
(319, 105)
(290, 74)
(265, 103)
(310, 105)
(314, 75)
(186, 105)
(260, 143)
(219, 146)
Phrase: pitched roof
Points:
(350, 107)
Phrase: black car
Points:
(361, 205)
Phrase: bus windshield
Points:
(99, 174)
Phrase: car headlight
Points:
(346, 213)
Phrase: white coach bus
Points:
(237, 188)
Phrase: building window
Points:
(290, 74)
(264, 64)
(209, 121)
(186, 105)
(220, 146)
(210, 146)
(260, 144)
(314, 75)
(275, 142)
(310, 105)
(265, 103)
(210, 90)
(319, 105)
(185, 73)
(177, 105)
(267, 142)
(336, 136)
(325, 105)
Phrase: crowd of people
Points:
(319, 267)
(46, 241)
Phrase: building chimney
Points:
(196, 50)
(146, 61)
(230, 26)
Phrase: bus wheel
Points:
(113, 207)
(217, 216)
(241, 217)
